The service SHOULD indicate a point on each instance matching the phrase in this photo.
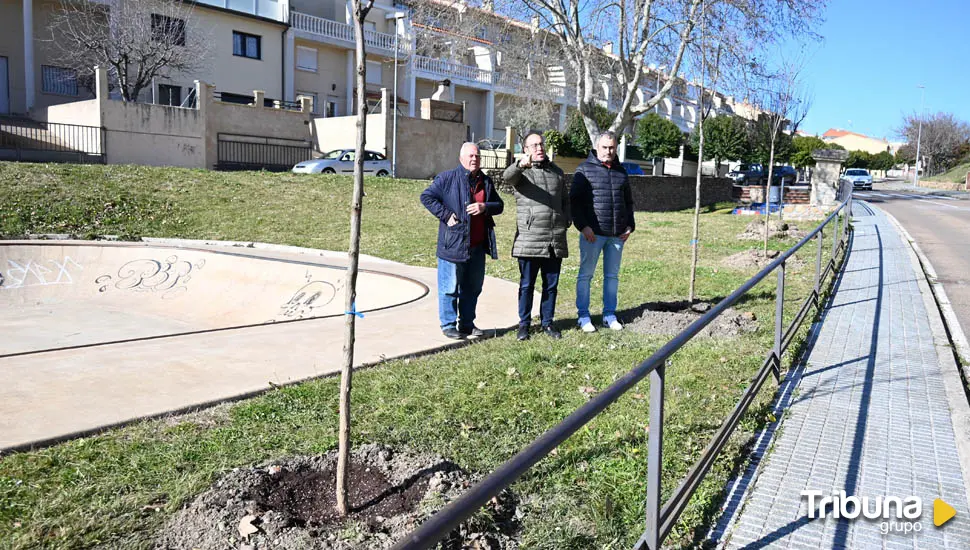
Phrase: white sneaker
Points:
(612, 323)
(586, 325)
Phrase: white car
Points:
(341, 161)
(860, 178)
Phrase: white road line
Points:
(939, 203)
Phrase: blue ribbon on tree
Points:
(353, 311)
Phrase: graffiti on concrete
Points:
(312, 296)
(30, 273)
(167, 277)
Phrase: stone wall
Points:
(660, 193)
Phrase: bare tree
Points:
(136, 40)
(520, 60)
(784, 104)
(940, 140)
(660, 30)
(361, 9)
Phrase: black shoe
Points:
(523, 333)
(473, 331)
(452, 332)
(552, 333)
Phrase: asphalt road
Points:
(940, 224)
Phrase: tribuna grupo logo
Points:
(896, 514)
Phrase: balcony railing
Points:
(450, 69)
(334, 30)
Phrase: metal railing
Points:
(35, 141)
(244, 99)
(660, 517)
(242, 152)
(344, 32)
(450, 69)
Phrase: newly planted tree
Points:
(360, 10)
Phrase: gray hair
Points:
(607, 134)
(467, 144)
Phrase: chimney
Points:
(535, 23)
(488, 5)
(608, 47)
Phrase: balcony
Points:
(439, 69)
(341, 34)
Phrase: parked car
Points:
(633, 169)
(785, 174)
(860, 178)
(341, 161)
(747, 174)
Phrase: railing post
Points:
(779, 321)
(818, 267)
(655, 457)
(835, 237)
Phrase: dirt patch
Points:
(755, 259)
(290, 504)
(755, 231)
(670, 318)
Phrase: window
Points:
(481, 33)
(59, 80)
(370, 26)
(169, 95)
(331, 110)
(372, 156)
(313, 96)
(306, 59)
(374, 75)
(246, 45)
(169, 30)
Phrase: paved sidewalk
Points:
(871, 414)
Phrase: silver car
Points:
(341, 161)
(860, 178)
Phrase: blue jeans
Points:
(459, 285)
(589, 253)
(529, 269)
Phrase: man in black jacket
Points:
(464, 201)
(602, 208)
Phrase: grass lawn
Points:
(476, 405)
(957, 174)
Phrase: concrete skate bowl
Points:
(56, 296)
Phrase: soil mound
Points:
(755, 231)
(754, 259)
(290, 504)
(670, 319)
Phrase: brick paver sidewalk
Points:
(869, 415)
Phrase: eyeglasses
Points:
(535, 146)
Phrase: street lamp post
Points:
(919, 134)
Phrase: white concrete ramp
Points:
(95, 334)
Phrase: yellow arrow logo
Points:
(942, 512)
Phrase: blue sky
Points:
(873, 55)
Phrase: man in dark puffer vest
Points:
(542, 218)
(602, 207)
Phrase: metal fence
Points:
(660, 517)
(28, 140)
(242, 152)
(498, 159)
(243, 99)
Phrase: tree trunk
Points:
(694, 244)
(350, 297)
(771, 164)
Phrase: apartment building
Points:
(853, 141)
(245, 52)
(293, 48)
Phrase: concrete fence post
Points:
(258, 98)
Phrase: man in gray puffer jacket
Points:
(542, 218)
